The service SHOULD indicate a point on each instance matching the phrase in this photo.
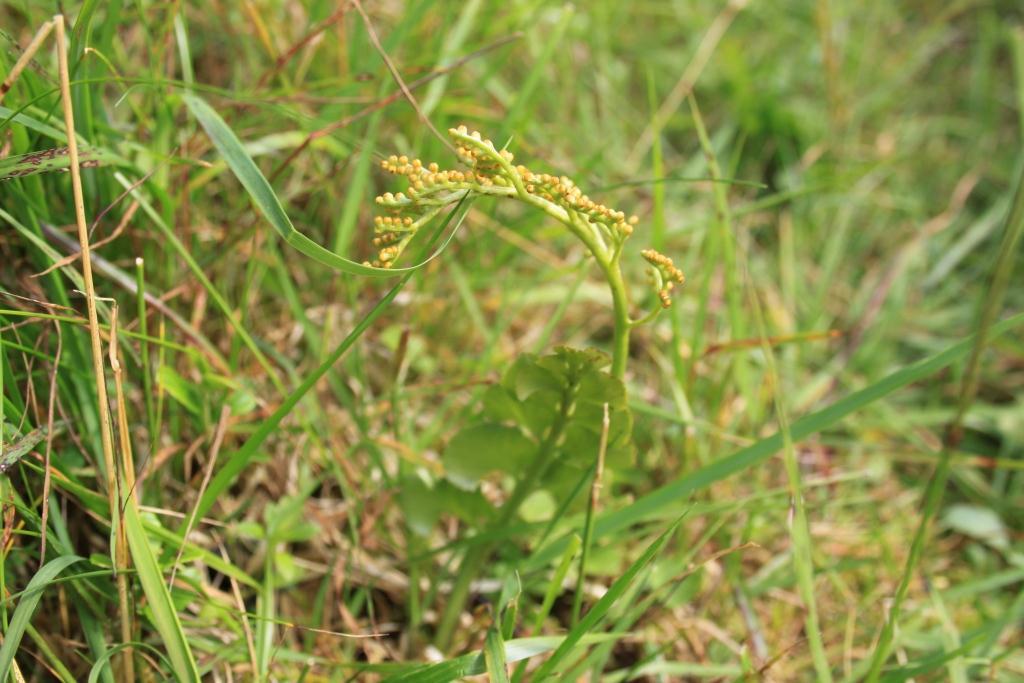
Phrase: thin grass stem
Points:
(588, 523)
(119, 546)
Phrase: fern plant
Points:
(541, 424)
(490, 171)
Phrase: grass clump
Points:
(484, 446)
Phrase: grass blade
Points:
(655, 503)
(263, 196)
(555, 585)
(989, 307)
(200, 274)
(102, 664)
(601, 607)
(26, 606)
(50, 160)
(651, 504)
(240, 458)
(165, 615)
(13, 452)
(519, 108)
(494, 655)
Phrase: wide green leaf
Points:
(481, 449)
(421, 505)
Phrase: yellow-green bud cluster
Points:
(665, 273)
(489, 171)
(430, 190)
(481, 154)
(563, 191)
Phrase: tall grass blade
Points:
(165, 615)
(102, 663)
(50, 160)
(27, 606)
(989, 307)
(494, 655)
(263, 196)
(601, 607)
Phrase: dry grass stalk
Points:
(121, 559)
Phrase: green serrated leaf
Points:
(528, 376)
(583, 358)
(583, 435)
(538, 506)
(500, 405)
(471, 507)
(539, 410)
(562, 476)
(599, 387)
(481, 449)
(421, 505)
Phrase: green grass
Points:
(825, 478)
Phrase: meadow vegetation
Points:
(345, 390)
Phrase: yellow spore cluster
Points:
(666, 275)
(490, 171)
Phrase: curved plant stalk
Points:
(118, 538)
(490, 171)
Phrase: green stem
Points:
(477, 555)
(588, 522)
(468, 569)
(620, 308)
(605, 249)
(147, 381)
